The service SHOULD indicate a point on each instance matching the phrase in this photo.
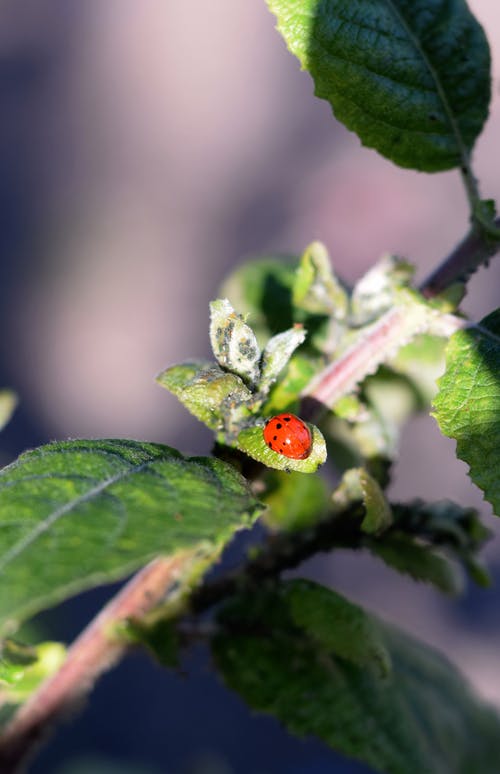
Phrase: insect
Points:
(288, 435)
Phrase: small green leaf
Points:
(294, 501)
(251, 441)
(8, 403)
(467, 406)
(233, 342)
(206, 391)
(418, 560)
(339, 626)
(412, 79)
(422, 361)
(277, 353)
(77, 514)
(444, 522)
(23, 668)
(392, 399)
(358, 485)
(161, 638)
(373, 294)
(293, 662)
(316, 289)
(262, 288)
(420, 527)
(285, 394)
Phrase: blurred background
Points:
(145, 150)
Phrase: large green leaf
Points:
(79, 513)
(468, 403)
(287, 653)
(410, 77)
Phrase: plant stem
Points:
(390, 331)
(95, 651)
(283, 551)
(473, 251)
(384, 338)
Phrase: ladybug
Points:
(288, 435)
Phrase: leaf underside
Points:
(410, 77)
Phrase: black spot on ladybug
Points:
(270, 445)
(286, 419)
(279, 426)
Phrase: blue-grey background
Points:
(145, 149)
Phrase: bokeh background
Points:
(145, 150)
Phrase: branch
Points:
(393, 330)
(92, 653)
(283, 551)
(472, 252)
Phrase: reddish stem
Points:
(95, 651)
(473, 251)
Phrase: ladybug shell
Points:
(288, 435)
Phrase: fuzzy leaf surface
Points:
(80, 513)
(233, 341)
(283, 658)
(410, 77)
(205, 390)
(278, 352)
(467, 406)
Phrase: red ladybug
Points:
(288, 435)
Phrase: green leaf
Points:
(422, 362)
(233, 342)
(284, 660)
(373, 294)
(316, 289)
(358, 485)
(208, 392)
(251, 441)
(8, 403)
(339, 626)
(262, 289)
(392, 399)
(161, 638)
(467, 406)
(418, 560)
(77, 514)
(277, 353)
(444, 523)
(423, 531)
(411, 78)
(23, 668)
(285, 394)
(294, 501)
